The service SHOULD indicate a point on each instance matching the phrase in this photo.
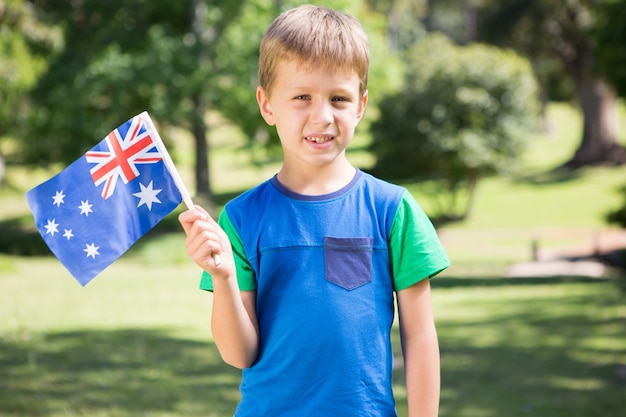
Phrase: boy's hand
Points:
(207, 243)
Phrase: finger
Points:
(205, 215)
(188, 218)
(208, 235)
(189, 222)
(200, 247)
(201, 234)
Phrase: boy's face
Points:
(315, 112)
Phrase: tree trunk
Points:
(1, 170)
(199, 127)
(598, 145)
(202, 176)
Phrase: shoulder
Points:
(401, 195)
(253, 206)
(247, 202)
(380, 184)
(251, 195)
(381, 190)
(382, 194)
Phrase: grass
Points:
(545, 347)
(136, 340)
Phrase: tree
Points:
(25, 43)
(404, 21)
(551, 28)
(123, 57)
(463, 113)
(609, 34)
(207, 33)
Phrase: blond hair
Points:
(314, 36)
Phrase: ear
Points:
(264, 106)
(362, 105)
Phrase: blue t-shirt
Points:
(324, 269)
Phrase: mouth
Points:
(319, 140)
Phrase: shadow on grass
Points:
(557, 175)
(554, 348)
(19, 237)
(454, 282)
(114, 373)
(519, 381)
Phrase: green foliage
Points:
(123, 57)
(552, 33)
(609, 33)
(464, 112)
(25, 43)
(237, 57)
(105, 74)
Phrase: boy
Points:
(310, 259)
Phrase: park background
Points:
(136, 340)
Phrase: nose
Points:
(321, 113)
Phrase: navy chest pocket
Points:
(348, 261)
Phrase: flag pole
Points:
(169, 164)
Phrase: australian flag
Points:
(99, 206)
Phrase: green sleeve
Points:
(414, 247)
(245, 274)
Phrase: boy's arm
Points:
(233, 323)
(420, 348)
(233, 319)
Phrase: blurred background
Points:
(506, 120)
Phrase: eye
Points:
(302, 97)
(339, 98)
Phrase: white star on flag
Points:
(68, 234)
(85, 207)
(147, 196)
(58, 198)
(92, 250)
(52, 227)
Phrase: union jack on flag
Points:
(86, 228)
(126, 146)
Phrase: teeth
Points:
(318, 140)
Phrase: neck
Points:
(316, 181)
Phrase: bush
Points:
(464, 112)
